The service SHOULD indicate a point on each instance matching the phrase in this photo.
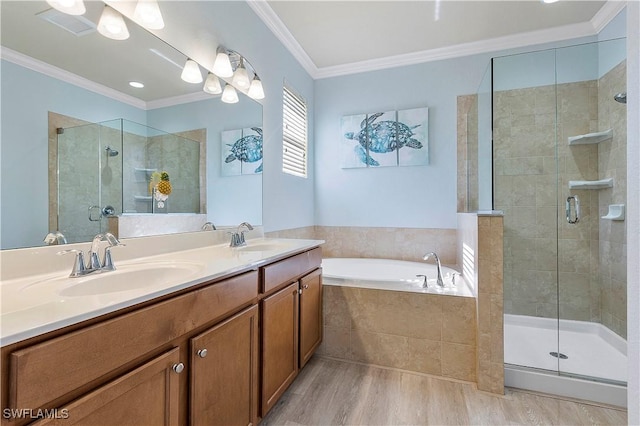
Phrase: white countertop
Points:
(38, 304)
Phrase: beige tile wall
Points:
(467, 153)
(387, 243)
(426, 333)
(525, 176)
(612, 162)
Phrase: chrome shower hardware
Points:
(576, 202)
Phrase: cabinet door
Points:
(310, 315)
(148, 395)
(279, 344)
(224, 372)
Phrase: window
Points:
(294, 132)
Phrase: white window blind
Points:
(294, 129)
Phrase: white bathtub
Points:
(386, 274)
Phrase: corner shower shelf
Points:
(591, 138)
(591, 184)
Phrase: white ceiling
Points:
(340, 37)
(327, 37)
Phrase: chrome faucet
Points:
(440, 280)
(93, 264)
(55, 238)
(209, 226)
(237, 238)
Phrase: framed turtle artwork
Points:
(241, 151)
(393, 138)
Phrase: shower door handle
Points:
(576, 203)
(95, 213)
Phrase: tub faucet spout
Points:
(440, 280)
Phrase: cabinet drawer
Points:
(283, 272)
(69, 362)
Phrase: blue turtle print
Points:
(247, 149)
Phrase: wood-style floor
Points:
(330, 392)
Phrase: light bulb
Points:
(112, 25)
(212, 84)
(229, 96)
(70, 7)
(147, 14)
(191, 72)
(222, 65)
(241, 77)
(255, 90)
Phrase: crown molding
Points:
(180, 99)
(68, 77)
(606, 13)
(514, 41)
(280, 30)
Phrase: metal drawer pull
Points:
(178, 367)
(202, 353)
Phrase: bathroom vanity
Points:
(219, 351)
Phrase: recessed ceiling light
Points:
(136, 84)
(548, 1)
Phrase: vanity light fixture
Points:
(191, 72)
(212, 84)
(136, 84)
(229, 96)
(222, 65)
(70, 7)
(112, 25)
(240, 76)
(255, 90)
(147, 13)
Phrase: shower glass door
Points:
(559, 175)
(525, 175)
(591, 177)
(89, 179)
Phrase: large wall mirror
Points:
(55, 65)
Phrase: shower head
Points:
(111, 152)
(621, 97)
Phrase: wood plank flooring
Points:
(332, 392)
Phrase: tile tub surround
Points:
(467, 150)
(426, 333)
(480, 239)
(382, 243)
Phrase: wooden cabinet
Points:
(240, 341)
(147, 395)
(224, 372)
(310, 315)
(291, 321)
(279, 344)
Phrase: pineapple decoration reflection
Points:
(160, 187)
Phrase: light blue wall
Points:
(288, 200)
(230, 199)
(418, 196)
(27, 97)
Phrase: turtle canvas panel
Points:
(350, 149)
(413, 134)
(242, 151)
(382, 141)
(228, 139)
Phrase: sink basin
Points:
(129, 277)
(262, 247)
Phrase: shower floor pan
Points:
(580, 350)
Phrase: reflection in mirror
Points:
(120, 167)
(46, 70)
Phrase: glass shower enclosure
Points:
(559, 176)
(104, 169)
